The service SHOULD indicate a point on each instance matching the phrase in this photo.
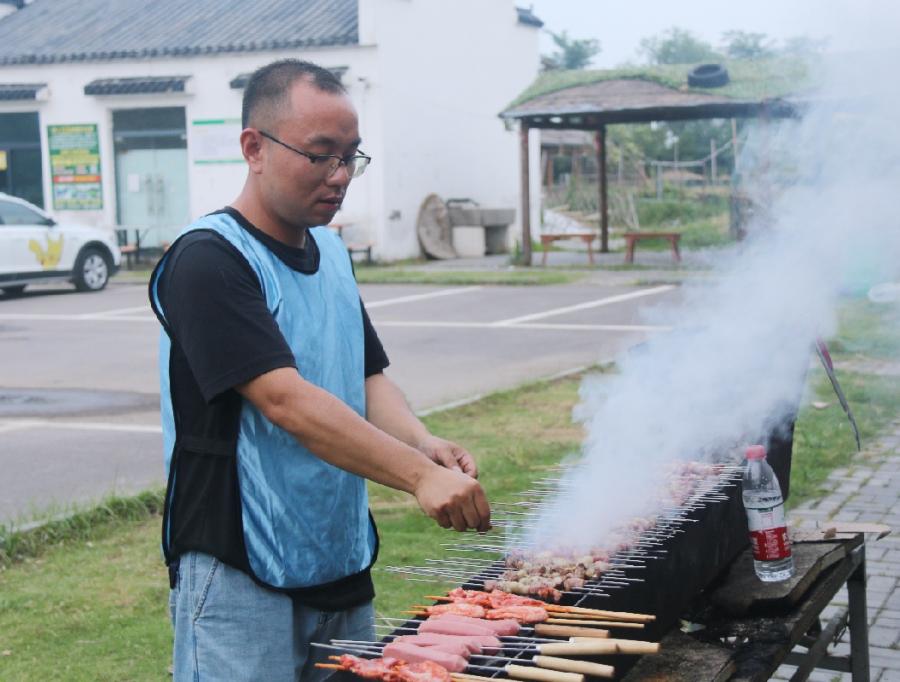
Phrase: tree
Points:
(804, 46)
(746, 45)
(677, 46)
(573, 53)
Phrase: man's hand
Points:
(448, 454)
(453, 499)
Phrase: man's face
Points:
(299, 192)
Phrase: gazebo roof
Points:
(587, 99)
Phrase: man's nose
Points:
(340, 177)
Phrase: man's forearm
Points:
(386, 408)
(334, 432)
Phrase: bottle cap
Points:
(756, 452)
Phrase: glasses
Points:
(356, 163)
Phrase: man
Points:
(275, 407)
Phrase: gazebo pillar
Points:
(526, 193)
(602, 189)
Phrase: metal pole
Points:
(712, 156)
(526, 193)
(604, 194)
(859, 626)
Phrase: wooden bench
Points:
(549, 238)
(354, 247)
(131, 253)
(632, 238)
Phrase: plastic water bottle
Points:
(765, 516)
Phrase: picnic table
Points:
(745, 629)
(632, 238)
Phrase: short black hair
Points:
(268, 86)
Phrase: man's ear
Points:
(252, 149)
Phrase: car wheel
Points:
(91, 270)
(13, 291)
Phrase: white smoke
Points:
(829, 187)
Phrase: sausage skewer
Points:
(545, 668)
(540, 629)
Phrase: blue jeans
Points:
(229, 628)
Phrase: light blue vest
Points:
(305, 521)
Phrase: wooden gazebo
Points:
(591, 100)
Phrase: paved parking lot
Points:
(79, 393)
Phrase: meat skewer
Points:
(498, 598)
(541, 629)
(522, 614)
(382, 668)
(388, 670)
(392, 670)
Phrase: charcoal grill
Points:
(674, 570)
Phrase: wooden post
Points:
(604, 206)
(526, 193)
(712, 160)
(620, 170)
(734, 146)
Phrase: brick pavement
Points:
(866, 491)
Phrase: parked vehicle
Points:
(34, 248)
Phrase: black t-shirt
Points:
(223, 335)
(217, 315)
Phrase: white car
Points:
(35, 248)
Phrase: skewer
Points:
(538, 660)
(576, 647)
(520, 672)
(512, 639)
(569, 619)
(583, 612)
(540, 629)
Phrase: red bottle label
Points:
(768, 534)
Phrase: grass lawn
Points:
(90, 604)
(408, 274)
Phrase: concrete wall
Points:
(428, 79)
(446, 69)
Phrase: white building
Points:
(127, 113)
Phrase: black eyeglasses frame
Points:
(315, 158)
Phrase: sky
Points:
(619, 26)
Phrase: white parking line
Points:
(17, 424)
(523, 325)
(118, 311)
(421, 297)
(584, 306)
(86, 317)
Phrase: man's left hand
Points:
(449, 455)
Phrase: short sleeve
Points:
(376, 359)
(216, 312)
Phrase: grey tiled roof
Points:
(14, 91)
(64, 30)
(135, 86)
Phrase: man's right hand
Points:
(453, 499)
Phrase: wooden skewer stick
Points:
(596, 623)
(521, 672)
(612, 615)
(545, 630)
(568, 665)
(595, 647)
(329, 666)
(594, 616)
